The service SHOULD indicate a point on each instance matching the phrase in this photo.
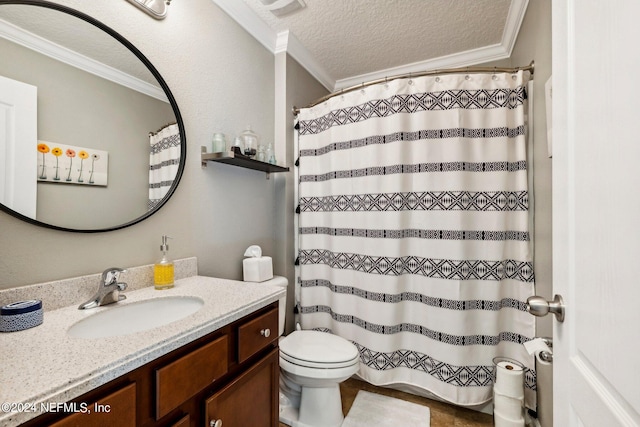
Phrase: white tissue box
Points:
(257, 269)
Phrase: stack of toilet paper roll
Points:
(508, 395)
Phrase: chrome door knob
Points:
(265, 332)
(538, 306)
(215, 423)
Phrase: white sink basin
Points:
(135, 317)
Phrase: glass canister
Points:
(250, 140)
(219, 142)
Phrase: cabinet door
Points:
(249, 400)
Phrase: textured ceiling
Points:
(356, 37)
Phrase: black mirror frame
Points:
(163, 84)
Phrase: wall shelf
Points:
(237, 159)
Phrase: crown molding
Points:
(515, 17)
(41, 45)
(287, 42)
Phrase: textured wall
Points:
(222, 80)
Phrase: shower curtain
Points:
(164, 159)
(413, 230)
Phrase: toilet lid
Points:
(317, 347)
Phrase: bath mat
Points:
(376, 410)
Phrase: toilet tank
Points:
(282, 302)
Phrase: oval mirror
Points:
(91, 138)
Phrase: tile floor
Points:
(442, 414)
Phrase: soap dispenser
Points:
(163, 269)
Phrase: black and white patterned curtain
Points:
(414, 236)
(164, 162)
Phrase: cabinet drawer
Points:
(180, 380)
(257, 334)
(116, 409)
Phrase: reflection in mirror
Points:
(92, 93)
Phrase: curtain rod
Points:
(530, 68)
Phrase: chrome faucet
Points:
(108, 289)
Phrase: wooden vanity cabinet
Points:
(230, 374)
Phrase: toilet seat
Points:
(315, 349)
(304, 374)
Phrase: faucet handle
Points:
(110, 275)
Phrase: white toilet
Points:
(312, 365)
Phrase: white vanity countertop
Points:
(45, 365)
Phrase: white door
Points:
(18, 142)
(596, 212)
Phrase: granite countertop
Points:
(45, 365)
